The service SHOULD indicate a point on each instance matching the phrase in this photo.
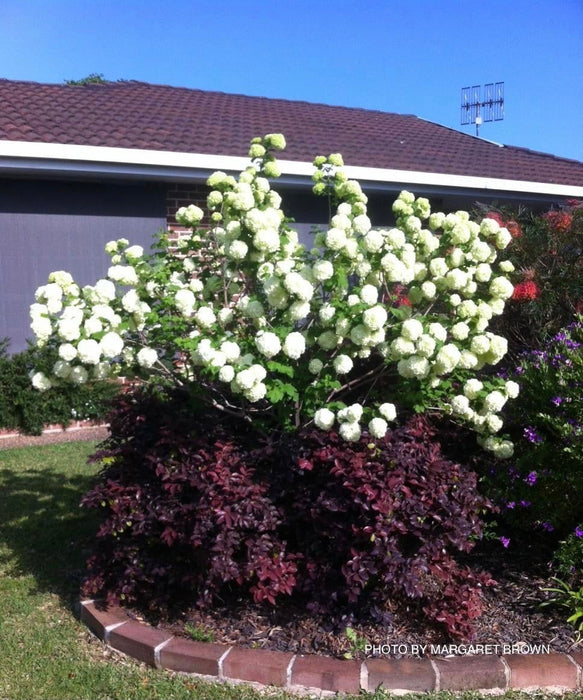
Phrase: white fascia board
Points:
(25, 156)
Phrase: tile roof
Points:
(139, 115)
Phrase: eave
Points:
(34, 159)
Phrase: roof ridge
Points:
(123, 82)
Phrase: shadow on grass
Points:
(43, 530)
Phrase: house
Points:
(83, 164)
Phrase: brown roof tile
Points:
(159, 117)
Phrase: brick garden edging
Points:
(556, 671)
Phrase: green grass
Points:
(45, 653)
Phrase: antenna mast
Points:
(475, 110)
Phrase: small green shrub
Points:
(25, 409)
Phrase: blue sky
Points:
(408, 57)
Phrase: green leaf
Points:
(277, 367)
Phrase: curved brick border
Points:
(321, 673)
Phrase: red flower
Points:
(526, 291)
(514, 229)
(559, 220)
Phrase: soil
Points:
(512, 615)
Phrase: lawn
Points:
(44, 538)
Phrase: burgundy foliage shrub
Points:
(196, 507)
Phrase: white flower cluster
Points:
(244, 308)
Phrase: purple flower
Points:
(531, 478)
(511, 505)
(519, 370)
(579, 531)
(525, 504)
(505, 541)
(531, 435)
(557, 400)
(547, 527)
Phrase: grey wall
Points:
(47, 226)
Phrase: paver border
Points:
(295, 672)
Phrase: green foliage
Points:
(198, 633)
(568, 559)
(570, 598)
(24, 408)
(91, 79)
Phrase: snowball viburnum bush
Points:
(257, 326)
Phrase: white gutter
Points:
(51, 158)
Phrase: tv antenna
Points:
(476, 110)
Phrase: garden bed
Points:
(512, 616)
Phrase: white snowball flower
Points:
(351, 413)
(388, 411)
(326, 313)
(373, 241)
(42, 329)
(67, 352)
(322, 270)
(501, 287)
(350, 431)
(105, 290)
(506, 266)
(480, 344)
(327, 340)
(134, 252)
(41, 382)
(425, 345)
(147, 357)
(299, 310)
(237, 250)
(369, 294)
(226, 374)
(324, 418)
(294, 345)
(468, 360)
(447, 359)
(185, 300)
(225, 316)
(377, 427)
(189, 216)
(335, 239)
(79, 375)
(472, 388)
(461, 406)
(401, 347)
(205, 316)
(89, 351)
(111, 345)
(483, 272)
(268, 343)
(375, 317)
(343, 364)
(315, 366)
(460, 331)
(429, 290)
(68, 328)
(231, 350)
(361, 224)
(512, 389)
(494, 423)
(503, 238)
(412, 329)
(494, 402)
(124, 274)
(438, 331)
(414, 367)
